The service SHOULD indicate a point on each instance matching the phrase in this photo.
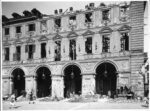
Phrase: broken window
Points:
(18, 53)
(88, 17)
(88, 45)
(18, 29)
(58, 22)
(72, 20)
(106, 43)
(31, 27)
(6, 31)
(72, 53)
(43, 50)
(105, 15)
(57, 50)
(124, 41)
(6, 54)
(30, 49)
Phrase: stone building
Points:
(95, 50)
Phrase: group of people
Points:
(13, 99)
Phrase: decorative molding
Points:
(30, 40)
(124, 28)
(72, 34)
(43, 38)
(105, 29)
(88, 32)
(57, 37)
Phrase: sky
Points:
(44, 7)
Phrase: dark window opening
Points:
(18, 29)
(72, 20)
(30, 49)
(72, 49)
(6, 31)
(31, 27)
(43, 50)
(88, 17)
(105, 14)
(18, 53)
(106, 43)
(58, 22)
(57, 50)
(124, 42)
(6, 54)
(88, 45)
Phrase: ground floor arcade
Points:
(102, 78)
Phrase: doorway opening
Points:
(72, 80)
(43, 82)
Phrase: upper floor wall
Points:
(79, 20)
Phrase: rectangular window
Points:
(106, 43)
(18, 53)
(72, 49)
(18, 29)
(88, 45)
(57, 50)
(6, 54)
(105, 15)
(88, 17)
(31, 27)
(72, 20)
(6, 31)
(58, 22)
(30, 49)
(125, 42)
(43, 50)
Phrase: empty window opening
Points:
(125, 42)
(18, 53)
(30, 49)
(18, 29)
(43, 50)
(72, 49)
(31, 27)
(106, 43)
(88, 45)
(88, 17)
(6, 31)
(58, 22)
(72, 20)
(57, 50)
(6, 54)
(105, 14)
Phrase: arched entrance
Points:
(106, 79)
(72, 80)
(18, 79)
(43, 82)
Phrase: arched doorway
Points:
(18, 78)
(43, 82)
(72, 80)
(106, 79)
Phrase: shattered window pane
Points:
(57, 50)
(106, 43)
(72, 49)
(88, 17)
(125, 42)
(58, 22)
(88, 45)
(105, 15)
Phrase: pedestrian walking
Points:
(12, 101)
(31, 99)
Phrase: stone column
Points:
(57, 86)
(23, 56)
(80, 48)
(11, 85)
(34, 85)
(64, 50)
(51, 50)
(88, 84)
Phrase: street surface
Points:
(64, 105)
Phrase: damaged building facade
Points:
(95, 50)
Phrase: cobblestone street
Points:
(74, 106)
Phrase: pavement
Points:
(65, 105)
